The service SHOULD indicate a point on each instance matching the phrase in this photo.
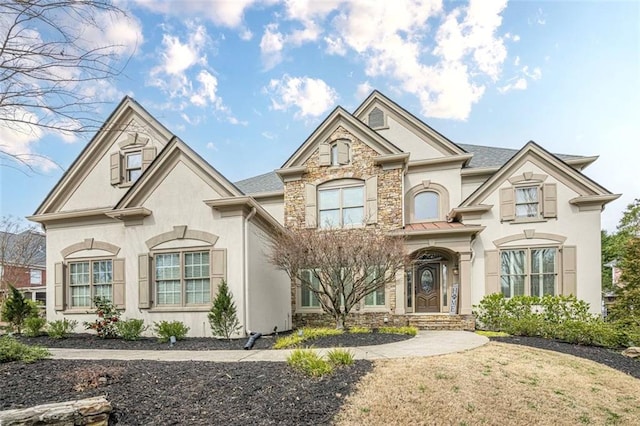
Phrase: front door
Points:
(427, 287)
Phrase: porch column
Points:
(464, 268)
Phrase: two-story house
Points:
(22, 264)
(141, 218)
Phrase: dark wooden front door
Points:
(428, 288)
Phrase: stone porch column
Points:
(464, 296)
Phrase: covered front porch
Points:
(436, 287)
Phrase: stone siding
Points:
(377, 319)
(361, 167)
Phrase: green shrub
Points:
(12, 350)
(340, 357)
(34, 326)
(60, 329)
(131, 329)
(309, 362)
(286, 342)
(223, 317)
(594, 332)
(359, 330)
(408, 330)
(532, 325)
(557, 309)
(16, 309)
(165, 329)
(108, 317)
(310, 333)
(490, 313)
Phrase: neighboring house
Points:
(23, 264)
(139, 217)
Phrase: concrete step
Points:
(437, 322)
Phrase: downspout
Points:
(245, 264)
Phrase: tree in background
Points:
(627, 303)
(16, 309)
(53, 57)
(338, 267)
(20, 248)
(223, 317)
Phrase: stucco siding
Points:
(268, 287)
(408, 141)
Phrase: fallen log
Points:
(90, 411)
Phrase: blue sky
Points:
(245, 82)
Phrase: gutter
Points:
(245, 263)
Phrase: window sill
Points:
(75, 311)
(376, 309)
(304, 310)
(180, 309)
(530, 220)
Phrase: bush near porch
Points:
(554, 317)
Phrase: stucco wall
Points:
(178, 201)
(581, 229)
(268, 288)
(408, 141)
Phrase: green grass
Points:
(309, 362)
(488, 333)
(408, 330)
(298, 337)
(340, 357)
(12, 350)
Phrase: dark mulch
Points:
(89, 341)
(194, 393)
(609, 357)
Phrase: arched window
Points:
(426, 205)
(341, 203)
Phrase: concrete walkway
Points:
(426, 343)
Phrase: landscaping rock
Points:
(632, 352)
(90, 411)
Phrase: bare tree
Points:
(20, 248)
(340, 267)
(51, 60)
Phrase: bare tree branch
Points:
(49, 62)
(20, 248)
(346, 265)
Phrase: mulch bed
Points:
(89, 341)
(194, 393)
(609, 357)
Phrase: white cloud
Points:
(226, 13)
(311, 97)
(246, 34)
(516, 61)
(271, 46)
(17, 144)
(115, 32)
(518, 84)
(179, 56)
(363, 90)
(335, 46)
(268, 135)
(212, 146)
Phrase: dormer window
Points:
(133, 166)
(527, 205)
(376, 118)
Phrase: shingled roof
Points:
(483, 157)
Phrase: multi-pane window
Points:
(308, 298)
(426, 206)
(527, 203)
(35, 277)
(528, 271)
(88, 279)
(133, 166)
(376, 297)
(182, 278)
(341, 207)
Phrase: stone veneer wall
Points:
(361, 166)
(390, 197)
(377, 319)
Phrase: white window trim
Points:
(92, 294)
(299, 306)
(527, 267)
(341, 184)
(39, 280)
(183, 288)
(126, 169)
(538, 216)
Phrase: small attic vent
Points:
(376, 118)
